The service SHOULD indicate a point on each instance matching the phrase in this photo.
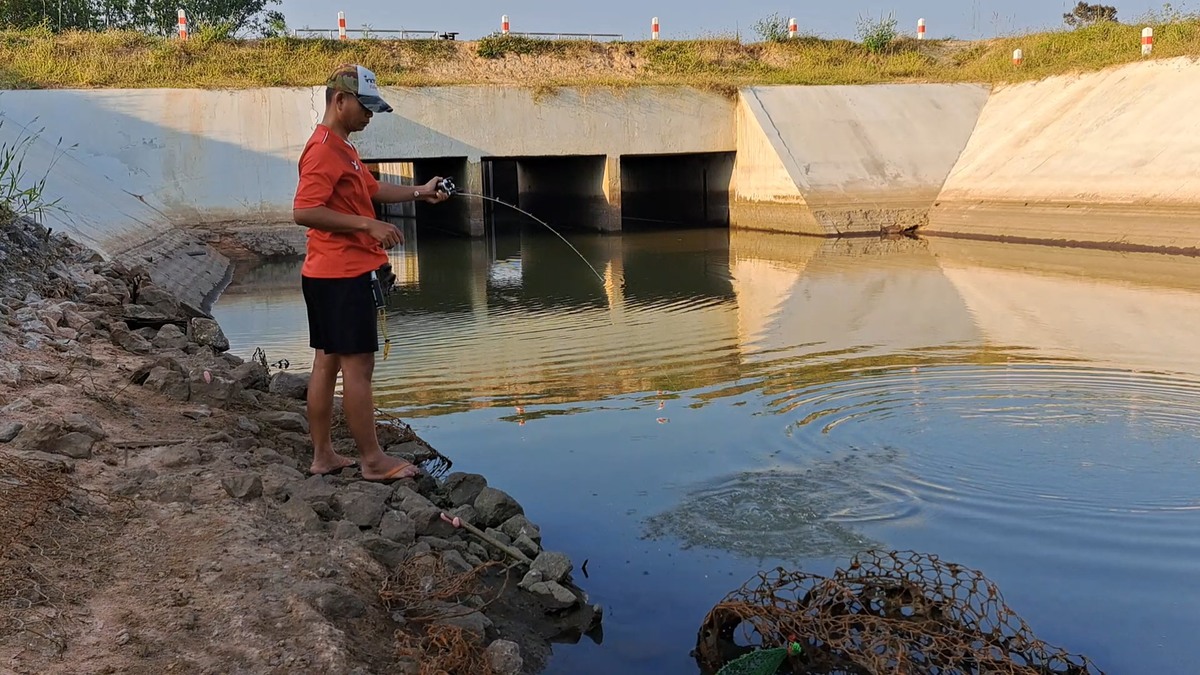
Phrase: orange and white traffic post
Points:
(504, 24)
(1147, 40)
(793, 29)
(1018, 57)
(920, 29)
(654, 28)
(183, 32)
(341, 25)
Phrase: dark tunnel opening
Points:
(686, 190)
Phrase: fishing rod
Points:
(447, 185)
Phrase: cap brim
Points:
(375, 104)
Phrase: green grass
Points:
(40, 59)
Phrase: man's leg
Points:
(359, 404)
(320, 413)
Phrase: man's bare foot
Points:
(389, 468)
(329, 464)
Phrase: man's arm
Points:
(327, 220)
(390, 193)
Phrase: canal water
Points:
(722, 403)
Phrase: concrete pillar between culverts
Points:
(610, 219)
(473, 182)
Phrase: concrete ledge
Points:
(1119, 227)
(182, 264)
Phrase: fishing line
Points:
(447, 185)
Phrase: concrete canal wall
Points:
(1109, 158)
(846, 159)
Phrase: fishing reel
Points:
(447, 185)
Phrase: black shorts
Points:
(341, 314)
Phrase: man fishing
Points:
(335, 201)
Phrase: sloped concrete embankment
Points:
(100, 203)
(835, 160)
(1108, 159)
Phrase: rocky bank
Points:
(156, 515)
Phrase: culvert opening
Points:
(452, 217)
(567, 192)
(677, 190)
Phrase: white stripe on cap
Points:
(366, 83)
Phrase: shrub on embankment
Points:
(41, 59)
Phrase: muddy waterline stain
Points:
(726, 402)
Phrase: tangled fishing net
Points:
(47, 524)
(887, 613)
(431, 596)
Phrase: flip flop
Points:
(403, 472)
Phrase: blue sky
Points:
(963, 19)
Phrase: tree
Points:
(1086, 14)
(773, 28)
(160, 17)
(55, 14)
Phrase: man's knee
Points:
(358, 365)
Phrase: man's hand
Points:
(386, 234)
(430, 193)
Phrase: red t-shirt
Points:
(332, 175)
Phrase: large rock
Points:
(171, 383)
(290, 385)
(552, 595)
(389, 553)
(313, 490)
(50, 436)
(464, 488)
(550, 566)
(252, 375)
(245, 486)
(520, 525)
(208, 333)
(128, 340)
(170, 336)
(334, 602)
(9, 431)
(85, 424)
(155, 297)
(505, 657)
(287, 421)
(398, 527)
(75, 445)
(10, 373)
(214, 389)
(364, 509)
(495, 507)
